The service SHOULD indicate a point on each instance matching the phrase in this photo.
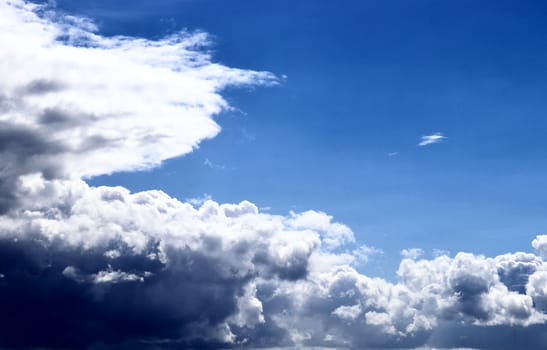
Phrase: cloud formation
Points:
(74, 103)
(431, 139)
(101, 265)
(103, 268)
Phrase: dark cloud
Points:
(41, 86)
(56, 118)
(469, 289)
(293, 269)
(184, 298)
(515, 269)
(154, 284)
(24, 151)
(5, 103)
(453, 335)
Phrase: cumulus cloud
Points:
(430, 139)
(144, 268)
(103, 268)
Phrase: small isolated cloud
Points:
(208, 163)
(392, 154)
(431, 139)
(247, 135)
(411, 253)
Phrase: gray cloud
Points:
(41, 86)
(23, 151)
(177, 273)
(147, 270)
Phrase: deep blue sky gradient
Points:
(365, 79)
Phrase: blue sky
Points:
(366, 79)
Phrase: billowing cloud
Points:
(430, 139)
(104, 268)
(540, 244)
(138, 265)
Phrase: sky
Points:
(273, 174)
(365, 80)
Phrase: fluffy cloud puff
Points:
(540, 244)
(103, 268)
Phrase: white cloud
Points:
(364, 253)
(411, 253)
(115, 276)
(348, 312)
(94, 105)
(430, 139)
(540, 245)
(198, 201)
(333, 234)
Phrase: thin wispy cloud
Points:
(431, 139)
(208, 163)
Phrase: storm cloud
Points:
(104, 268)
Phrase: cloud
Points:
(177, 272)
(411, 253)
(144, 268)
(77, 104)
(364, 253)
(431, 139)
(86, 267)
(198, 201)
(212, 165)
(540, 244)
